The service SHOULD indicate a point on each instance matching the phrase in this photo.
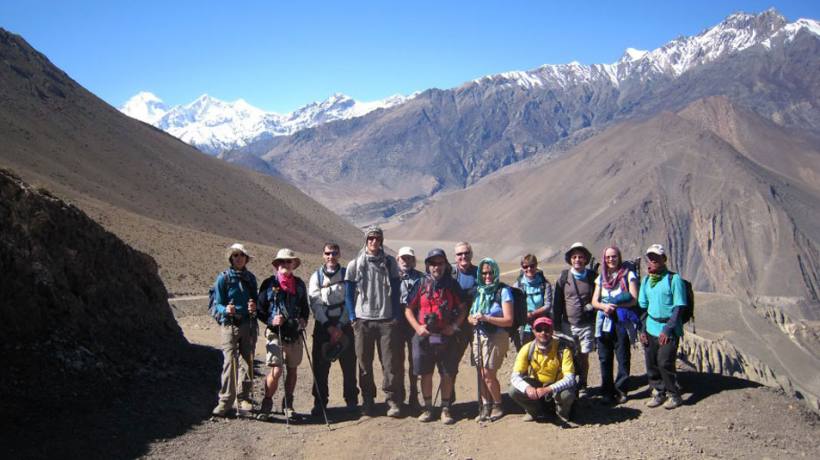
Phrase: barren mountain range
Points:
(158, 193)
(378, 165)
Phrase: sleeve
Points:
(557, 304)
(506, 295)
(350, 290)
(548, 295)
(643, 300)
(568, 370)
(315, 297)
(263, 304)
(678, 291)
(520, 369)
(254, 294)
(220, 293)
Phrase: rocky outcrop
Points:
(721, 357)
(80, 308)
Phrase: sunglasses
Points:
(463, 254)
(543, 329)
(374, 238)
(527, 267)
(332, 253)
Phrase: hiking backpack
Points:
(321, 275)
(218, 317)
(519, 307)
(564, 342)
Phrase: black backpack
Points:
(519, 307)
(218, 317)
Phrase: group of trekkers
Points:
(381, 306)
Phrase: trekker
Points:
(283, 308)
(410, 278)
(435, 313)
(616, 322)
(543, 377)
(573, 311)
(539, 297)
(491, 312)
(466, 274)
(662, 295)
(235, 304)
(372, 293)
(332, 333)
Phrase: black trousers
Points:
(321, 366)
(660, 365)
(611, 345)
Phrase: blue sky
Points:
(279, 55)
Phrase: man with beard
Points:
(372, 290)
(435, 314)
(543, 375)
(662, 295)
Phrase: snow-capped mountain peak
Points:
(214, 125)
(145, 106)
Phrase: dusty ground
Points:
(722, 418)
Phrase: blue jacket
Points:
(239, 286)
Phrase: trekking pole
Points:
(479, 362)
(313, 373)
(284, 377)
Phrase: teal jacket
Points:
(237, 286)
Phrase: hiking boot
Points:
(446, 418)
(527, 418)
(393, 409)
(483, 413)
(351, 405)
(316, 411)
(620, 397)
(287, 407)
(674, 402)
(267, 406)
(223, 409)
(426, 415)
(583, 392)
(497, 412)
(245, 407)
(657, 400)
(607, 400)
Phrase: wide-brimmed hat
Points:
(656, 249)
(234, 248)
(577, 246)
(407, 251)
(287, 254)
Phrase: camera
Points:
(431, 321)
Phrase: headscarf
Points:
(611, 280)
(486, 292)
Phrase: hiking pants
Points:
(389, 338)
(321, 367)
(612, 344)
(660, 365)
(238, 343)
(407, 346)
(560, 403)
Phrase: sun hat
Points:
(234, 248)
(287, 254)
(577, 246)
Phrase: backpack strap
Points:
(531, 369)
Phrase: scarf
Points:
(486, 292)
(612, 280)
(287, 283)
(577, 275)
(655, 277)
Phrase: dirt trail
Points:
(723, 417)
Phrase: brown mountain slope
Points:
(57, 134)
(731, 225)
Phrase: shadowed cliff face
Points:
(78, 303)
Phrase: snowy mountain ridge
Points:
(214, 126)
(737, 32)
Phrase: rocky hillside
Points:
(163, 196)
(379, 165)
(81, 309)
(736, 217)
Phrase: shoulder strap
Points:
(320, 276)
(530, 353)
